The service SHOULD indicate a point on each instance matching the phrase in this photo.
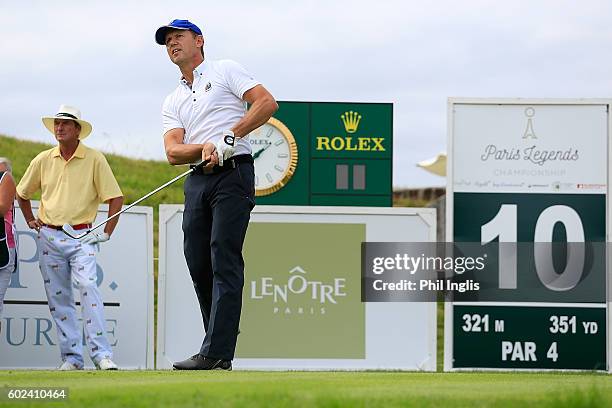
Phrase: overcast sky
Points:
(102, 58)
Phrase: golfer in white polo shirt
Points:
(205, 118)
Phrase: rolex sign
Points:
(325, 153)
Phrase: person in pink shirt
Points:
(8, 254)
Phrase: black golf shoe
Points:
(199, 362)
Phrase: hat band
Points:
(67, 115)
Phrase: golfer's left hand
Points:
(95, 238)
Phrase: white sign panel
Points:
(284, 326)
(530, 148)
(522, 173)
(125, 277)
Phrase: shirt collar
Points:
(197, 72)
(78, 153)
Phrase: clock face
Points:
(275, 155)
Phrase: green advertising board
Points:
(325, 153)
(529, 180)
(302, 303)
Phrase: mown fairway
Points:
(323, 389)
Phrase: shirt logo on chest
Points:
(208, 87)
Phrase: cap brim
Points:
(160, 34)
(86, 127)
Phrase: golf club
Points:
(66, 228)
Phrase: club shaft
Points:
(180, 176)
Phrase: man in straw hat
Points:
(73, 180)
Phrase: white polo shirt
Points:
(213, 103)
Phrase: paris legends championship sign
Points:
(523, 174)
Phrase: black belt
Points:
(228, 164)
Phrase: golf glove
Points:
(225, 146)
(95, 237)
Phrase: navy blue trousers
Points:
(215, 221)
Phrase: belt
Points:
(74, 227)
(228, 164)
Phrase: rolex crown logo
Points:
(351, 121)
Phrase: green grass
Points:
(440, 336)
(318, 389)
(409, 202)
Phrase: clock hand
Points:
(259, 152)
(256, 154)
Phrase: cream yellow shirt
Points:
(70, 190)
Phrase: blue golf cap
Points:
(160, 34)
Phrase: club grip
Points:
(200, 165)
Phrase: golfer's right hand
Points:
(209, 152)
